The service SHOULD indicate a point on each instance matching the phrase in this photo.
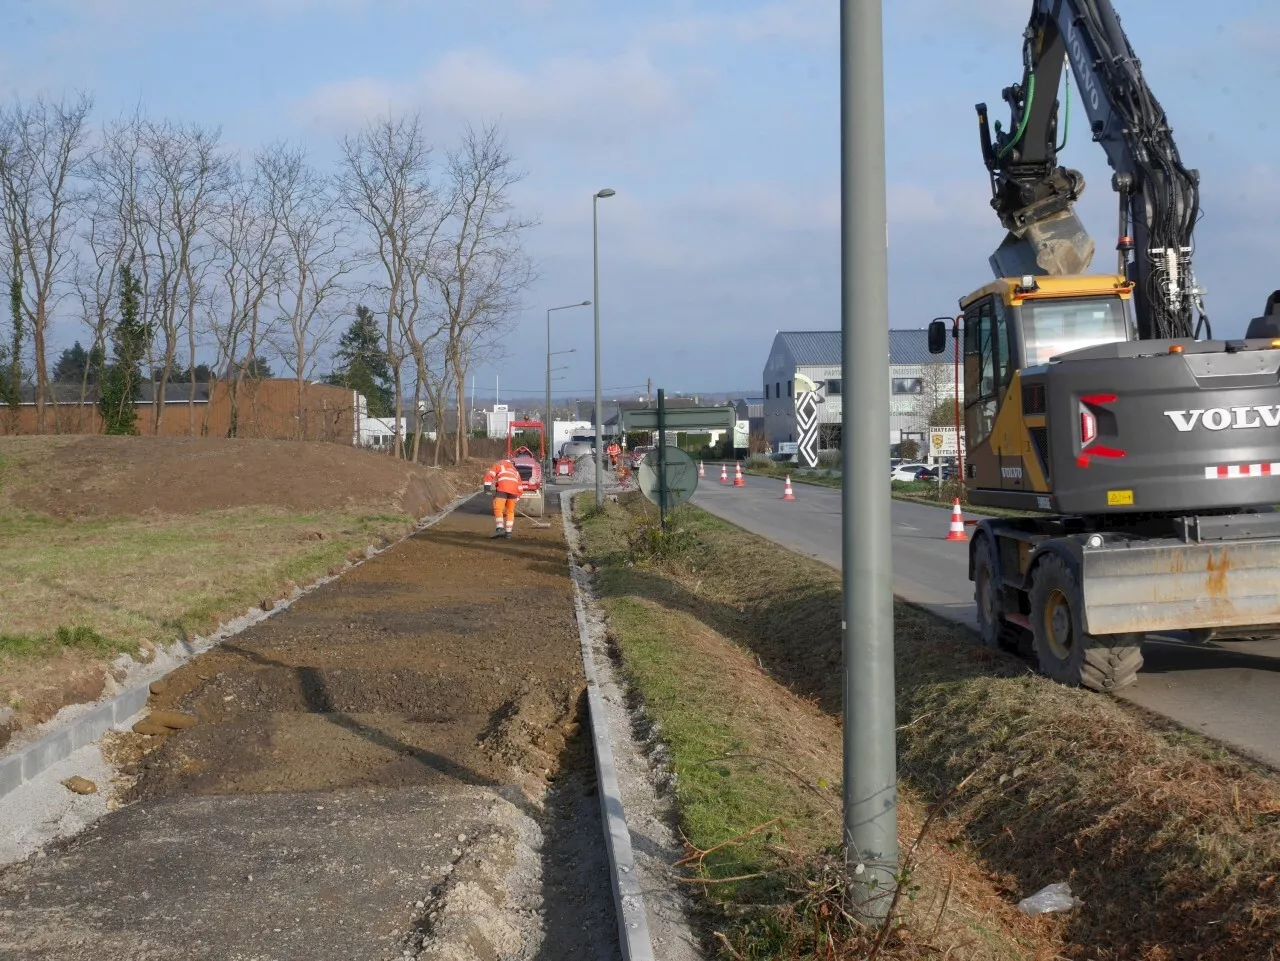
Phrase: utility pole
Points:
(870, 760)
(595, 273)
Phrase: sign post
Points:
(662, 458)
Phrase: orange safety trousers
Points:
(504, 510)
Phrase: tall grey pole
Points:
(549, 428)
(870, 762)
(595, 270)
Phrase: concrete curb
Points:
(628, 898)
(27, 763)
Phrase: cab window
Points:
(1052, 327)
(988, 366)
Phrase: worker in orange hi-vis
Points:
(614, 452)
(503, 482)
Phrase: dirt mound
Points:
(95, 476)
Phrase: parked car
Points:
(913, 472)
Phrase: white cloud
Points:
(565, 99)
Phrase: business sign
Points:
(808, 397)
(942, 442)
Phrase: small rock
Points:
(80, 785)
(157, 687)
(151, 729)
(268, 604)
(173, 719)
(462, 837)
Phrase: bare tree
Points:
(246, 232)
(482, 270)
(386, 184)
(312, 263)
(188, 174)
(45, 145)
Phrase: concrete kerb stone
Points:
(119, 712)
(628, 898)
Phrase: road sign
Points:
(682, 476)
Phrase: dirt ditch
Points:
(407, 737)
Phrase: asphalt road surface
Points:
(1227, 690)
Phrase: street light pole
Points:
(595, 265)
(870, 761)
(546, 465)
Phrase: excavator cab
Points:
(1010, 329)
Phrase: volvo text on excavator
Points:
(1145, 453)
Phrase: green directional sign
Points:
(681, 475)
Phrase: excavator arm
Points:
(1034, 196)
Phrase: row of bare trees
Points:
(237, 258)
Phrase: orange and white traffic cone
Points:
(957, 524)
(724, 474)
(701, 472)
(738, 480)
(787, 493)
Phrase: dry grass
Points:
(102, 570)
(749, 752)
(1172, 842)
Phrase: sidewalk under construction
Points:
(395, 764)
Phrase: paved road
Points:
(1229, 690)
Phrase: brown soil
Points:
(390, 676)
(450, 661)
(95, 476)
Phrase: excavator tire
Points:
(993, 630)
(1063, 650)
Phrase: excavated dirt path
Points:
(393, 767)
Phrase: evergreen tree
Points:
(76, 361)
(258, 368)
(121, 381)
(362, 357)
(11, 375)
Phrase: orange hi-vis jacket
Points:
(504, 478)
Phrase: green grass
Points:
(757, 769)
(153, 580)
(78, 638)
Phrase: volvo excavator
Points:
(1142, 454)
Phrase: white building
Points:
(376, 432)
(497, 422)
(918, 383)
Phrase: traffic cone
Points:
(738, 480)
(957, 524)
(787, 493)
(701, 472)
(724, 474)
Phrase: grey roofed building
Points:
(912, 374)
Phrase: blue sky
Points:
(716, 122)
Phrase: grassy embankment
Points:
(122, 545)
(733, 645)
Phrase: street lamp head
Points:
(585, 303)
(607, 192)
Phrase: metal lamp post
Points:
(595, 263)
(546, 467)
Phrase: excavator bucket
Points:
(1056, 245)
